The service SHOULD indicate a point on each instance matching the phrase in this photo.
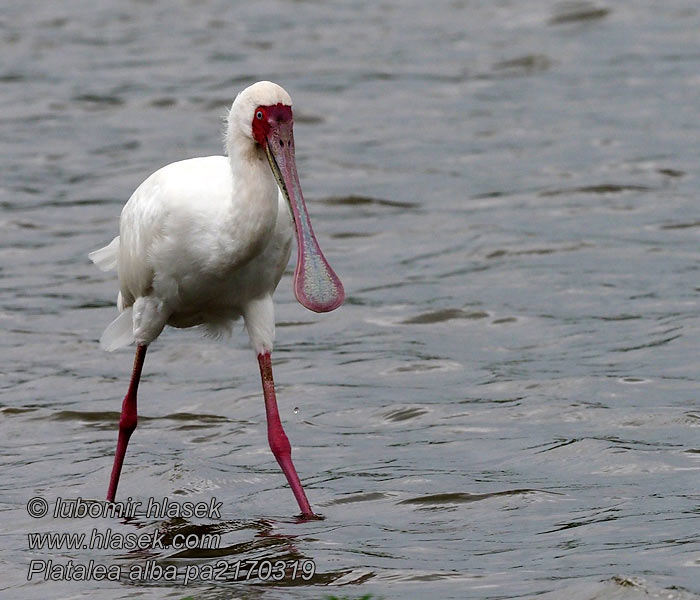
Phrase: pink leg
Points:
(279, 443)
(127, 421)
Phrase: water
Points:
(507, 404)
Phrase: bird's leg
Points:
(279, 443)
(127, 421)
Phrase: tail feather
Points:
(120, 332)
(106, 258)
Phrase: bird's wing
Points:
(141, 222)
(164, 216)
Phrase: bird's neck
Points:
(254, 199)
(251, 170)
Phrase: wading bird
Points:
(205, 241)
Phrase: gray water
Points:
(507, 404)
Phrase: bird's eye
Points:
(259, 115)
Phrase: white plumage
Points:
(206, 240)
(198, 248)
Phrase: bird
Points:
(205, 241)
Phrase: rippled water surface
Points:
(506, 405)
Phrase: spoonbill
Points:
(205, 241)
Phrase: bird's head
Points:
(257, 111)
(261, 117)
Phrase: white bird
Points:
(204, 241)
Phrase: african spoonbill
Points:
(204, 241)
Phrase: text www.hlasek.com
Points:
(154, 540)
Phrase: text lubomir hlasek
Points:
(79, 508)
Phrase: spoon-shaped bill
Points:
(316, 286)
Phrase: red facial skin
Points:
(270, 117)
